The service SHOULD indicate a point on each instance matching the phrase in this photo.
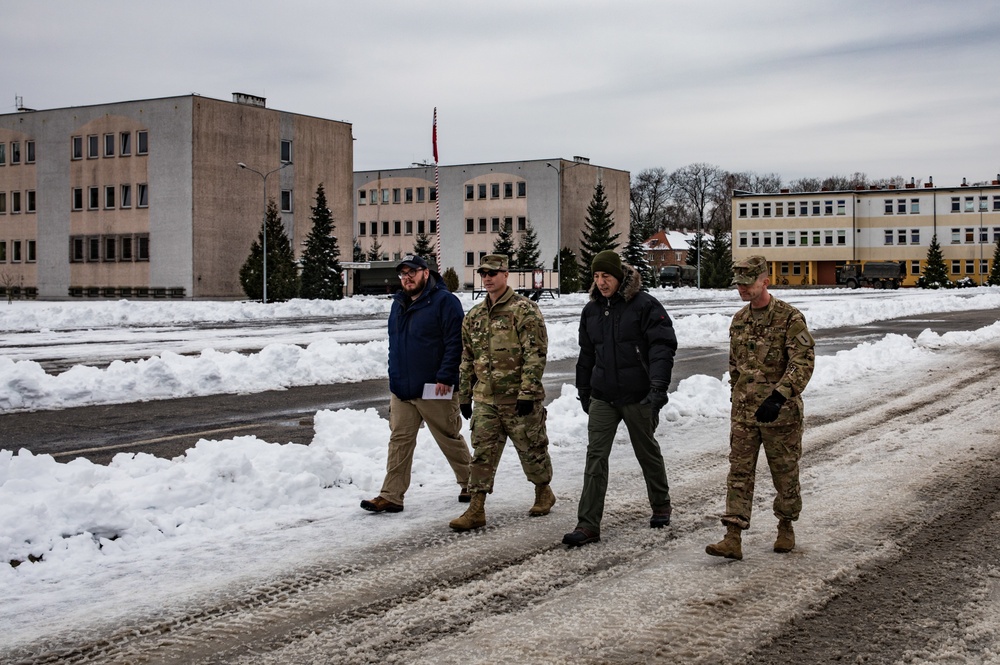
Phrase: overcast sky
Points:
(799, 88)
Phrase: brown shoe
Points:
(786, 537)
(380, 505)
(730, 547)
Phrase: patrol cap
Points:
(413, 261)
(494, 262)
(749, 269)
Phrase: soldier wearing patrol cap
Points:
(771, 360)
(504, 347)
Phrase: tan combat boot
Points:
(474, 517)
(730, 547)
(544, 500)
(786, 537)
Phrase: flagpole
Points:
(437, 189)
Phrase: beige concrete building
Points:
(805, 236)
(392, 206)
(145, 198)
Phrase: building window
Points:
(374, 227)
(470, 258)
(888, 237)
(15, 152)
(363, 229)
(109, 197)
(286, 200)
(434, 225)
(396, 195)
(372, 197)
(996, 199)
(901, 206)
(77, 198)
(828, 207)
(408, 227)
(767, 238)
(397, 227)
(110, 248)
(362, 197)
(522, 190)
(126, 248)
(286, 151)
(743, 238)
(842, 238)
(29, 204)
(142, 194)
(495, 225)
(914, 236)
(126, 201)
(970, 235)
(984, 267)
(779, 209)
(791, 209)
(996, 232)
(983, 234)
(508, 190)
(743, 210)
(470, 192)
(956, 204)
(15, 251)
(142, 139)
(15, 203)
(816, 208)
(3, 154)
(901, 236)
(982, 203)
(482, 191)
(779, 238)
(93, 198)
(495, 190)
(3, 251)
(888, 206)
(522, 223)
(29, 158)
(93, 249)
(970, 266)
(767, 209)
(969, 204)
(470, 225)
(791, 238)
(125, 144)
(143, 247)
(956, 266)
(914, 206)
(385, 227)
(914, 267)
(841, 206)
(385, 195)
(32, 251)
(420, 194)
(76, 249)
(420, 226)
(956, 236)
(828, 238)
(408, 195)
(109, 145)
(755, 210)
(816, 236)
(803, 208)
(482, 225)
(433, 193)
(754, 239)
(92, 145)
(3, 203)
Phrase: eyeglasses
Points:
(489, 273)
(407, 274)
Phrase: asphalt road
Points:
(167, 428)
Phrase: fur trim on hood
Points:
(631, 285)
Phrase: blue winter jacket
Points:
(425, 339)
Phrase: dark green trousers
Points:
(601, 429)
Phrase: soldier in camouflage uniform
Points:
(771, 360)
(504, 344)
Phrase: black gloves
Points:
(466, 410)
(584, 398)
(657, 398)
(524, 407)
(767, 412)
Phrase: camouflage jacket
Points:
(769, 350)
(503, 351)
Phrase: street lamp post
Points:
(263, 177)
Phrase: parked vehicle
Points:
(678, 276)
(876, 274)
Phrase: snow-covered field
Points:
(103, 546)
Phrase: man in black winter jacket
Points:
(627, 346)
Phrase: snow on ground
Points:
(100, 542)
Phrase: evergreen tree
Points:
(321, 278)
(635, 256)
(528, 252)
(359, 254)
(994, 278)
(375, 251)
(504, 245)
(596, 234)
(450, 278)
(694, 250)
(935, 272)
(423, 248)
(717, 263)
(282, 274)
(569, 271)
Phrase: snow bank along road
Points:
(896, 561)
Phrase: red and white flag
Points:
(434, 135)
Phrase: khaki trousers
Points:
(445, 424)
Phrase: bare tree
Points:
(650, 201)
(697, 188)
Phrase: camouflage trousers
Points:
(783, 449)
(491, 425)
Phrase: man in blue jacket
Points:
(425, 349)
(627, 346)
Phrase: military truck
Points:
(876, 274)
(678, 276)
